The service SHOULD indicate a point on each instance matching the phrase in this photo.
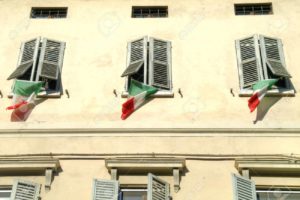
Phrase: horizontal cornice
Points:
(257, 132)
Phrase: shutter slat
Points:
(51, 59)
(160, 63)
(157, 188)
(244, 189)
(105, 189)
(273, 56)
(249, 61)
(25, 190)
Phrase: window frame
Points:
(157, 15)
(253, 5)
(48, 8)
(132, 189)
(288, 90)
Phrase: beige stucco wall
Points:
(204, 67)
(203, 58)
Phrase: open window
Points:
(157, 189)
(266, 179)
(260, 57)
(149, 62)
(41, 59)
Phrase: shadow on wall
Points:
(264, 107)
(22, 113)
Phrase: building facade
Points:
(194, 139)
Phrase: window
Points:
(149, 62)
(41, 59)
(49, 13)
(245, 188)
(149, 11)
(157, 189)
(260, 57)
(133, 194)
(253, 9)
(5, 193)
(277, 193)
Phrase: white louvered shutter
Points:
(273, 56)
(27, 58)
(105, 189)
(157, 188)
(244, 189)
(160, 63)
(136, 57)
(51, 59)
(249, 61)
(25, 190)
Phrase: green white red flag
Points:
(24, 92)
(138, 93)
(260, 90)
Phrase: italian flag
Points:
(138, 93)
(260, 90)
(24, 92)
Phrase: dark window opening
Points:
(149, 11)
(133, 194)
(253, 9)
(139, 76)
(49, 12)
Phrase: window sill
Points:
(159, 94)
(271, 93)
(44, 94)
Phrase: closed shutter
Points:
(273, 56)
(25, 190)
(160, 63)
(136, 57)
(51, 59)
(27, 58)
(105, 189)
(249, 61)
(244, 189)
(157, 188)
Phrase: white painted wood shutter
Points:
(273, 56)
(136, 57)
(105, 189)
(27, 58)
(51, 59)
(25, 190)
(157, 188)
(249, 61)
(244, 189)
(160, 63)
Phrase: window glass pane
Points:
(278, 195)
(5, 194)
(134, 195)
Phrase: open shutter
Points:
(105, 189)
(157, 188)
(136, 57)
(249, 61)
(160, 63)
(27, 58)
(51, 59)
(244, 189)
(25, 190)
(273, 56)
